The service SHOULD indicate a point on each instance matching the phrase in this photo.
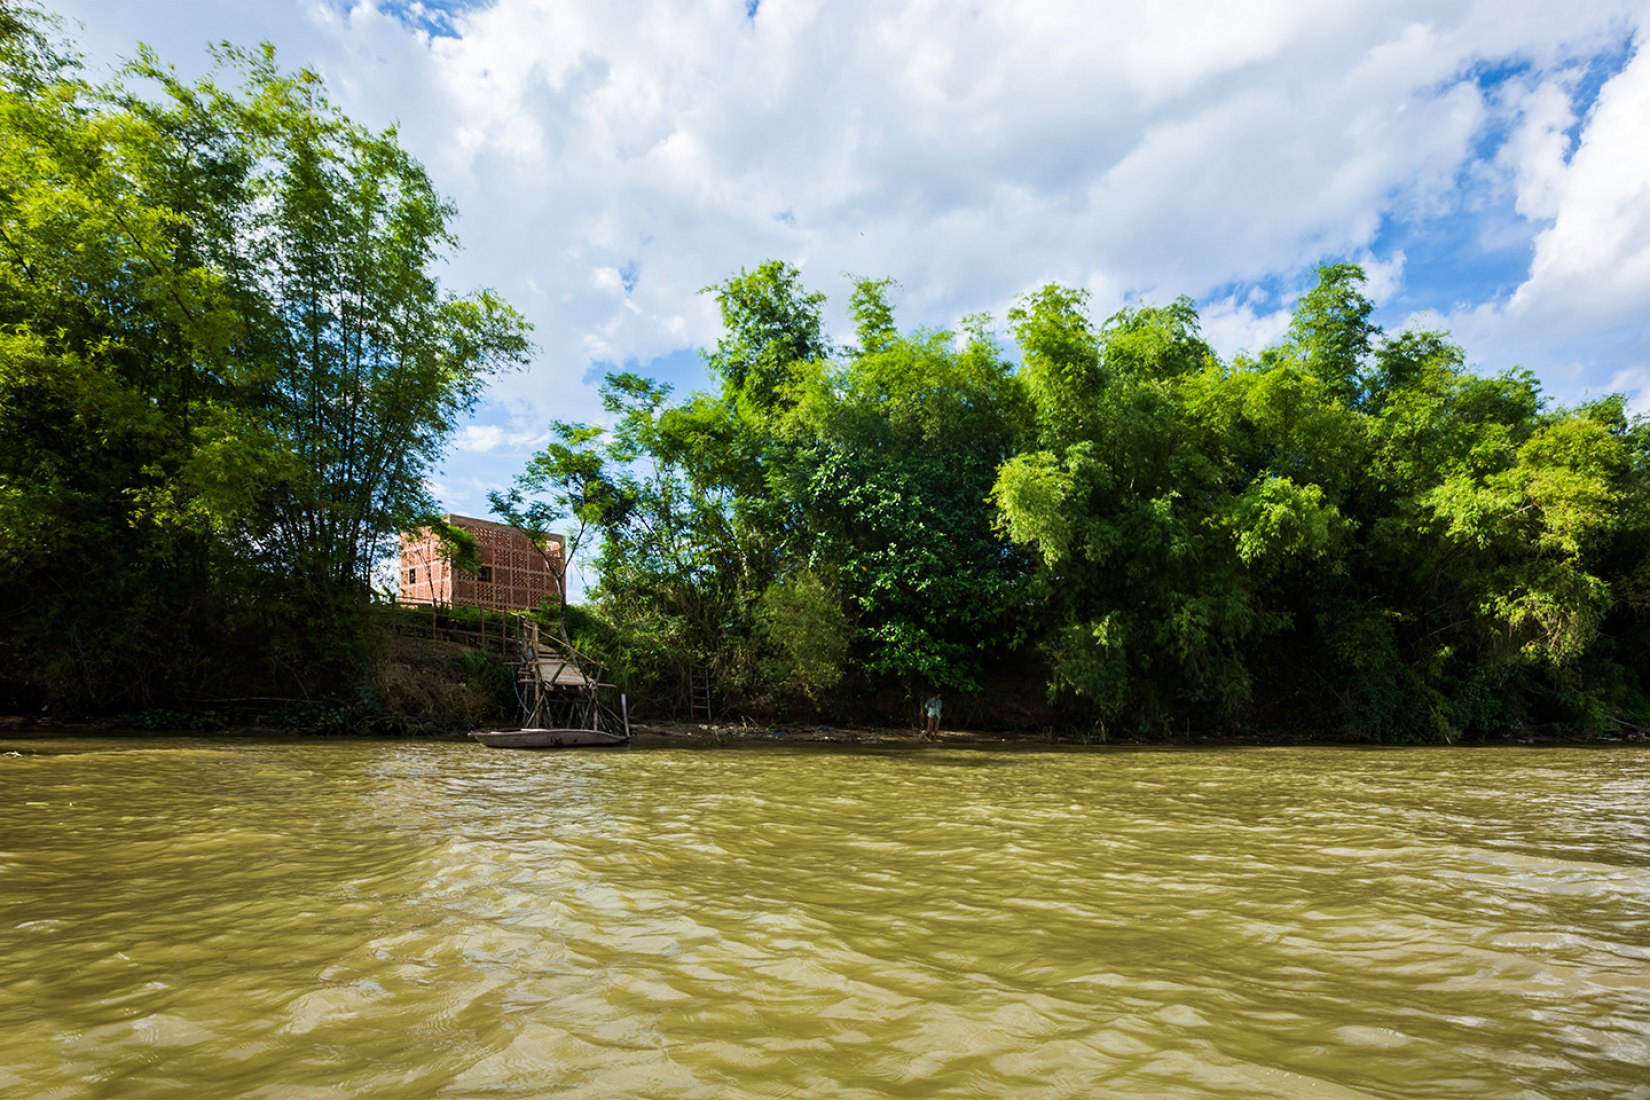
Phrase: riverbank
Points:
(702, 733)
(660, 734)
(645, 734)
(714, 733)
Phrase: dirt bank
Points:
(722, 733)
(713, 734)
(728, 733)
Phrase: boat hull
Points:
(547, 738)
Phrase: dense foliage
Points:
(1348, 530)
(1347, 534)
(226, 369)
(823, 514)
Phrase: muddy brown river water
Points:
(342, 918)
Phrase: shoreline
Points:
(673, 734)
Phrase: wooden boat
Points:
(547, 738)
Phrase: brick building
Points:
(512, 576)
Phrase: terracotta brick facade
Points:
(513, 576)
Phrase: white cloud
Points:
(1538, 152)
(612, 159)
(1581, 316)
(1234, 327)
(484, 438)
(1384, 277)
(1594, 261)
(479, 438)
(1634, 382)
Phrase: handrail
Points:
(538, 646)
(583, 660)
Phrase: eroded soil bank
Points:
(728, 733)
(713, 734)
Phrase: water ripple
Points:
(328, 919)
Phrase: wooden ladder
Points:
(699, 693)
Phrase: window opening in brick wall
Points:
(485, 574)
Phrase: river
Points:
(352, 918)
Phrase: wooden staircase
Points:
(561, 688)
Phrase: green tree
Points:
(1330, 333)
(805, 635)
(773, 332)
(1128, 499)
(646, 494)
(226, 370)
(900, 445)
(569, 484)
(1345, 533)
(366, 364)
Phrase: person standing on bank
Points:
(932, 710)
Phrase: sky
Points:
(1487, 161)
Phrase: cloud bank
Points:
(1488, 161)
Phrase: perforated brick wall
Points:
(512, 575)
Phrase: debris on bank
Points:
(722, 733)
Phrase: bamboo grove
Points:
(226, 370)
(1349, 534)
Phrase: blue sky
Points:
(1489, 163)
